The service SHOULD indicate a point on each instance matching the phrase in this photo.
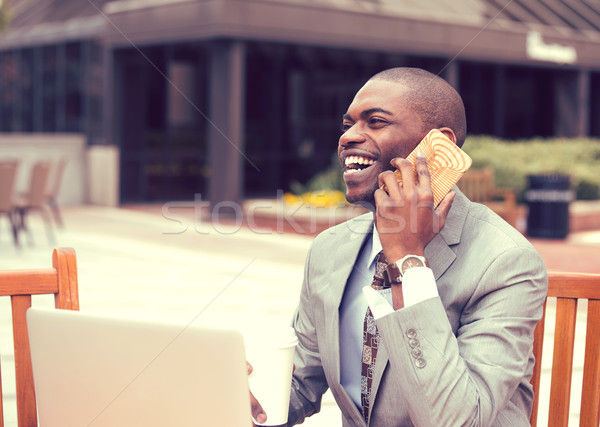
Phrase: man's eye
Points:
(345, 126)
(377, 122)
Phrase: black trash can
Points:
(548, 198)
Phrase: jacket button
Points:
(417, 352)
(420, 362)
(413, 342)
(411, 333)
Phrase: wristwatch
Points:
(396, 270)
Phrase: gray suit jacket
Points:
(474, 357)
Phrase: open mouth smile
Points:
(355, 164)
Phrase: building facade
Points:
(239, 98)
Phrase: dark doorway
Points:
(161, 107)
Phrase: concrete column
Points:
(110, 108)
(499, 101)
(594, 111)
(226, 127)
(572, 102)
(584, 111)
(452, 74)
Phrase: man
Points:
(453, 337)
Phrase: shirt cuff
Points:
(418, 284)
(377, 303)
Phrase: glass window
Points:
(94, 87)
(49, 88)
(26, 79)
(595, 105)
(162, 133)
(73, 87)
(8, 94)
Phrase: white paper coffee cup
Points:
(272, 360)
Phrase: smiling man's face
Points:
(378, 127)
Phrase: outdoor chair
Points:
(569, 289)
(35, 199)
(8, 175)
(20, 285)
(479, 186)
(54, 189)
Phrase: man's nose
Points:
(353, 135)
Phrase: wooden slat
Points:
(562, 362)
(26, 409)
(590, 394)
(568, 288)
(574, 285)
(65, 263)
(20, 285)
(538, 345)
(30, 282)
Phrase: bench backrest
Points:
(20, 285)
(569, 289)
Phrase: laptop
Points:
(94, 370)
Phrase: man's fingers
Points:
(257, 411)
(406, 171)
(423, 176)
(388, 179)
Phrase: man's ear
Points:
(449, 134)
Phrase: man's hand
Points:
(258, 413)
(405, 216)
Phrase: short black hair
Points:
(433, 98)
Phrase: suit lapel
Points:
(351, 241)
(439, 256)
(344, 260)
(438, 252)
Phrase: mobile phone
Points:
(446, 162)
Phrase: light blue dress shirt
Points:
(418, 285)
(352, 314)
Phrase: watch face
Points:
(411, 262)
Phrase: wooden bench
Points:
(20, 285)
(569, 289)
(479, 186)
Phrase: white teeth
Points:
(358, 160)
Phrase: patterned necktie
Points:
(371, 339)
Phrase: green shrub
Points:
(512, 161)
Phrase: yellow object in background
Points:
(322, 198)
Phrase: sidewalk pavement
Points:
(143, 261)
(141, 264)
